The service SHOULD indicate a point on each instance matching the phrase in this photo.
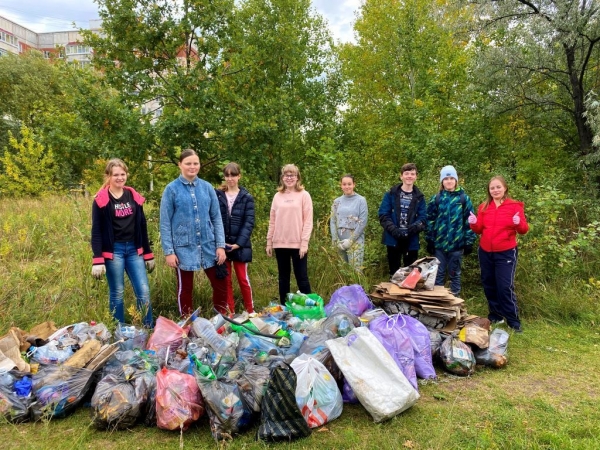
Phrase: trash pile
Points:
(286, 370)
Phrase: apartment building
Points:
(15, 38)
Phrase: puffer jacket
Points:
(239, 224)
(447, 225)
(389, 212)
(495, 224)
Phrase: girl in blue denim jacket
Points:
(191, 233)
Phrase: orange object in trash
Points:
(410, 282)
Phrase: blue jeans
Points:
(126, 260)
(449, 262)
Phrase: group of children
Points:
(210, 229)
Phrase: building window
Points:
(77, 49)
(8, 38)
(3, 52)
(47, 54)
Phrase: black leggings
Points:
(283, 256)
(398, 253)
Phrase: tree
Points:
(29, 170)
(541, 57)
(408, 97)
(167, 57)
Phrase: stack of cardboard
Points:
(436, 303)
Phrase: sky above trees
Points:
(59, 15)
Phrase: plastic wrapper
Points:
(227, 412)
(51, 353)
(457, 357)
(410, 282)
(352, 297)
(307, 312)
(133, 337)
(421, 342)
(373, 375)
(388, 330)
(252, 383)
(280, 418)
(495, 355)
(59, 390)
(317, 394)
(178, 400)
(114, 404)
(436, 342)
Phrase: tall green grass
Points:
(45, 264)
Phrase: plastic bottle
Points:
(205, 329)
(343, 327)
(301, 299)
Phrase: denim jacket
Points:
(190, 223)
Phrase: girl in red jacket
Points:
(498, 221)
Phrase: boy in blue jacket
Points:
(403, 215)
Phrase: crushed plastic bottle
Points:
(205, 329)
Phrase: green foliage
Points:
(28, 169)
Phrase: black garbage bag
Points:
(280, 417)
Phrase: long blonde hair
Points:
(110, 165)
(294, 170)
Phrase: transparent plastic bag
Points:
(225, 407)
(114, 404)
(133, 337)
(457, 357)
(51, 354)
(59, 390)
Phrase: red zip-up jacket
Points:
(496, 227)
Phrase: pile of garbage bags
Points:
(286, 370)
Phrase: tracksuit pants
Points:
(241, 273)
(498, 279)
(185, 287)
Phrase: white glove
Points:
(150, 264)
(344, 244)
(98, 271)
(516, 219)
(472, 218)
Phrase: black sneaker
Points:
(517, 329)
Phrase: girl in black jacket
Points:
(237, 211)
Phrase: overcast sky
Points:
(59, 15)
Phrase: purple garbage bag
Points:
(353, 297)
(388, 331)
(421, 342)
(348, 395)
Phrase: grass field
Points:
(545, 398)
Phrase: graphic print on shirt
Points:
(123, 209)
(405, 199)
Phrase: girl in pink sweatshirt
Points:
(290, 225)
